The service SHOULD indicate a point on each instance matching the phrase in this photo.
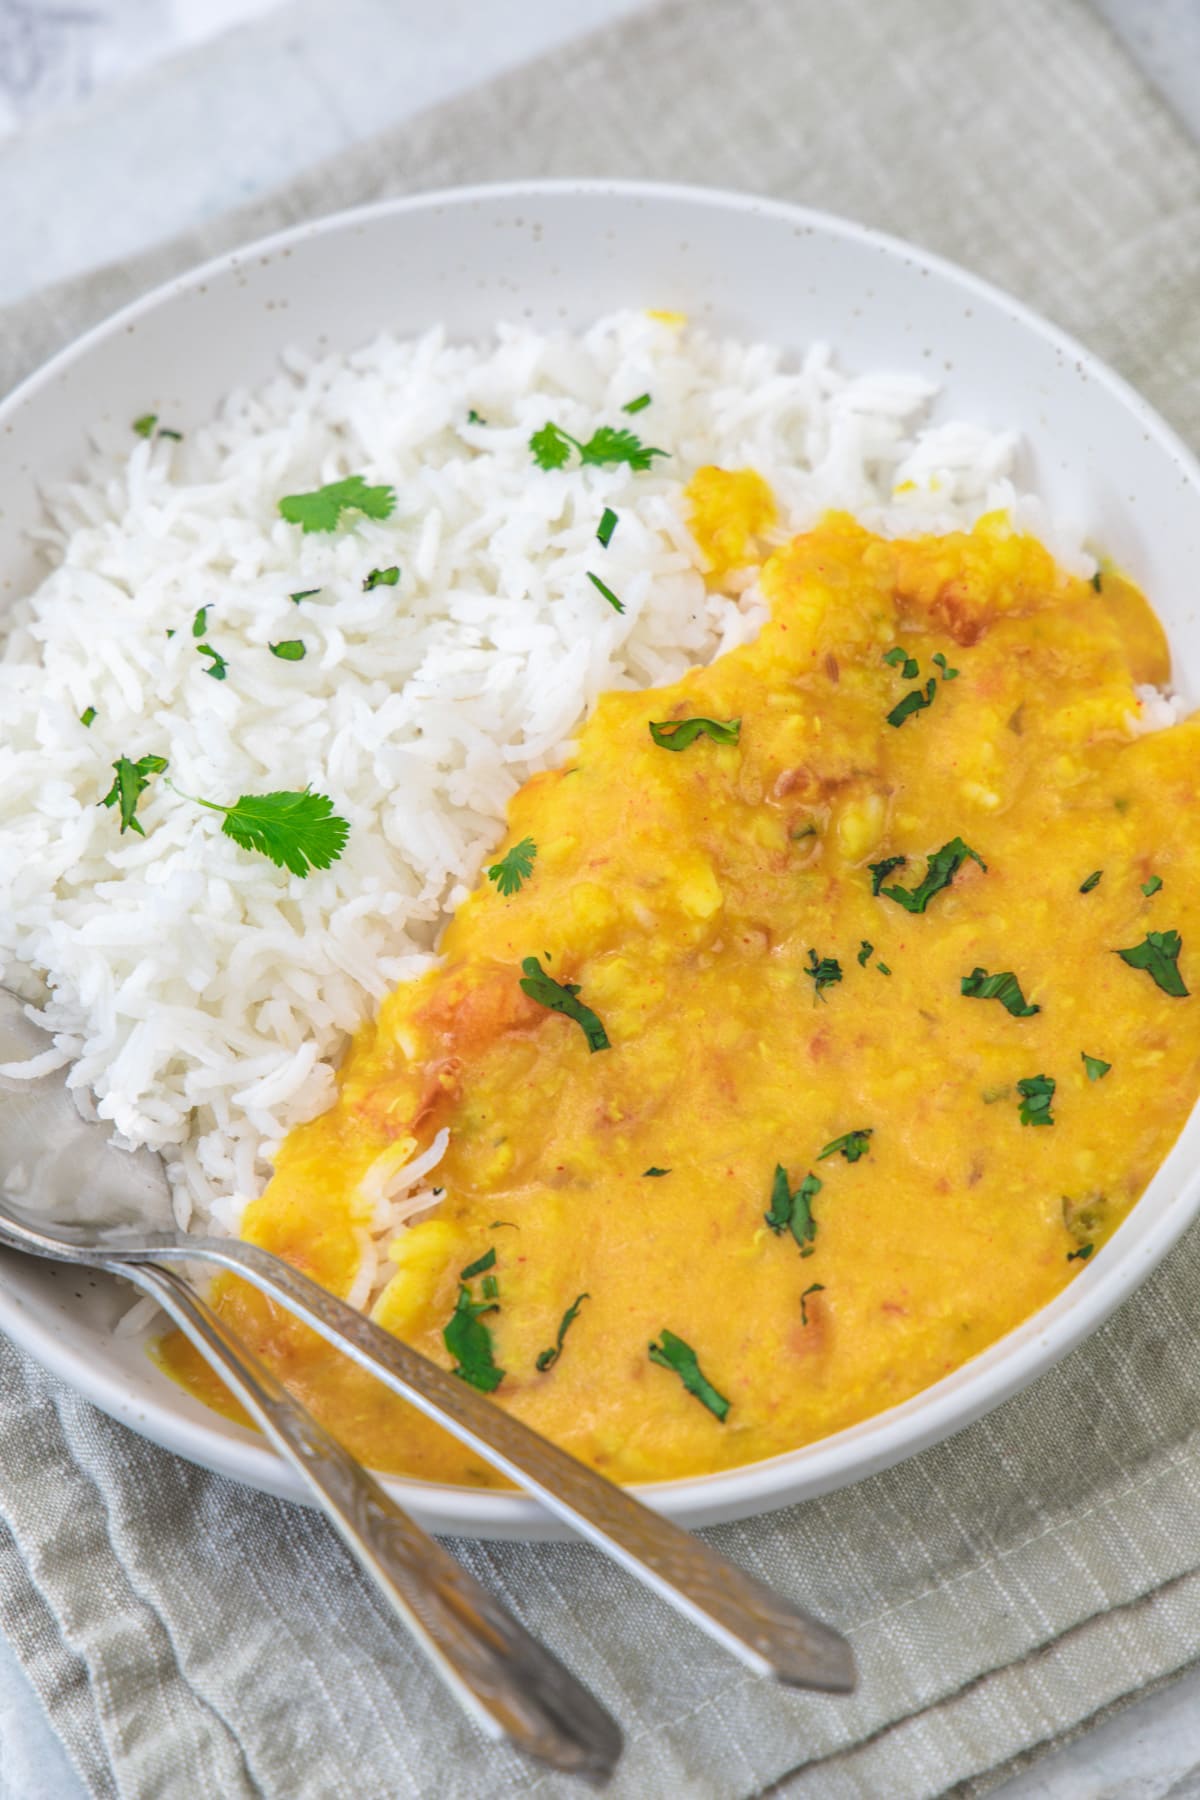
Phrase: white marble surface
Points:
(92, 109)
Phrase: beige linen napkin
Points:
(189, 1638)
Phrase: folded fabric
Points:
(188, 1637)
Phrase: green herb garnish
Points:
(793, 1211)
(602, 587)
(638, 405)
(548, 1358)
(824, 971)
(381, 578)
(87, 715)
(1096, 1069)
(474, 418)
(1082, 1254)
(942, 867)
(559, 996)
(303, 594)
(852, 1145)
(514, 868)
(132, 780)
(913, 702)
(948, 674)
(896, 657)
(470, 1343)
(674, 1354)
(200, 622)
(552, 448)
(322, 509)
(1004, 987)
(1036, 1092)
(653, 1171)
(864, 953)
(297, 831)
(289, 650)
(606, 527)
(883, 968)
(145, 425)
(681, 734)
(218, 668)
(491, 1288)
(1152, 886)
(1096, 582)
(479, 1266)
(881, 870)
(816, 1287)
(1158, 954)
(1085, 887)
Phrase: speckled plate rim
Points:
(162, 1413)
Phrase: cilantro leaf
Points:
(881, 870)
(793, 1211)
(638, 405)
(480, 1266)
(1085, 887)
(1082, 1254)
(381, 578)
(87, 716)
(816, 1287)
(145, 425)
(899, 658)
(943, 866)
(825, 972)
(298, 831)
(289, 650)
(948, 674)
(552, 447)
(548, 1358)
(852, 1145)
(303, 594)
(913, 702)
(322, 509)
(1152, 886)
(1096, 1069)
(470, 1343)
(218, 667)
(200, 622)
(681, 734)
(559, 996)
(1158, 954)
(674, 1354)
(653, 1171)
(514, 868)
(1004, 987)
(864, 955)
(474, 418)
(883, 968)
(132, 780)
(1097, 582)
(602, 587)
(1036, 1092)
(606, 527)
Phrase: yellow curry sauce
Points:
(714, 907)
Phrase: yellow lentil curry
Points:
(818, 1021)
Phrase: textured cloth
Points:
(1002, 1589)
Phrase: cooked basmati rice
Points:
(203, 995)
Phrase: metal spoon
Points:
(768, 1634)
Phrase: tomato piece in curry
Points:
(877, 1080)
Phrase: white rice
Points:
(204, 996)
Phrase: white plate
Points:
(564, 252)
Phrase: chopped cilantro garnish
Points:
(816, 1287)
(680, 734)
(1096, 582)
(297, 831)
(914, 701)
(897, 657)
(825, 971)
(793, 1211)
(480, 1265)
(606, 527)
(602, 587)
(289, 650)
(322, 509)
(674, 1354)
(559, 996)
(145, 425)
(552, 448)
(1152, 886)
(864, 953)
(1082, 1254)
(653, 1171)
(470, 1343)
(883, 968)
(200, 622)
(132, 780)
(1036, 1091)
(87, 715)
(514, 868)
(638, 405)
(381, 578)
(548, 1358)
(942, 867)
(1004, 987)
(881, 870)
(1096, 1069)
(1085, 887)
(474, 418)
(303, 594)
(1158, 954)
(491, 1288)
(218, 668)
(852, 1145)
(948, 674)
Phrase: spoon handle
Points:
(769, 1635)
(507, 1681)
